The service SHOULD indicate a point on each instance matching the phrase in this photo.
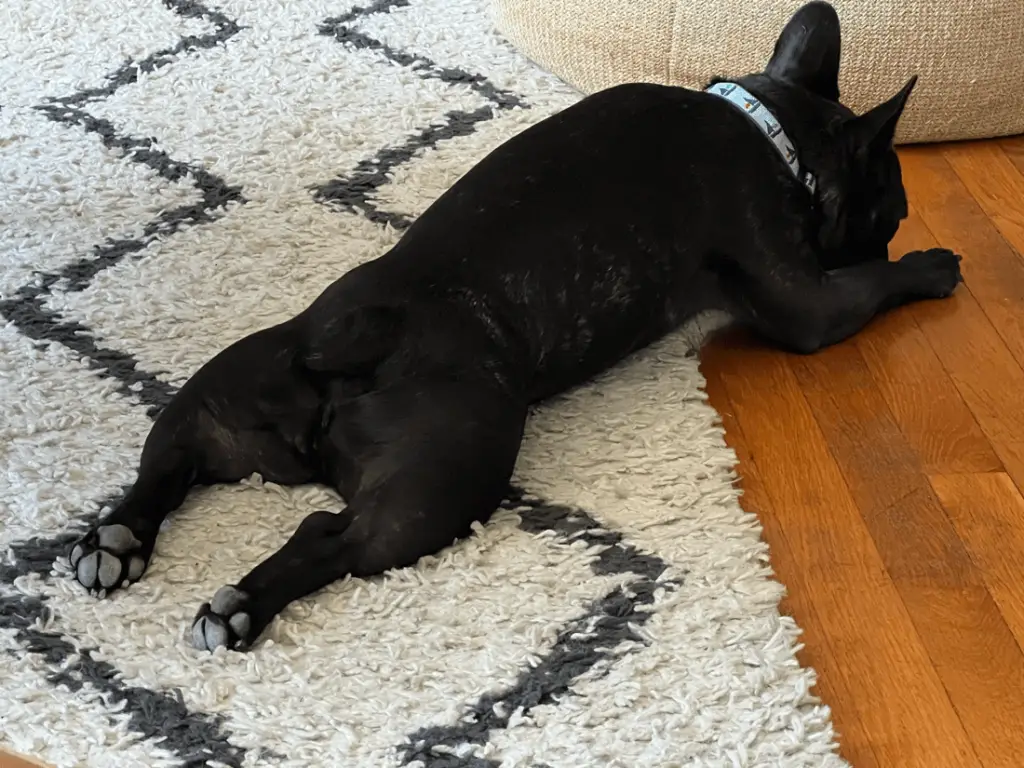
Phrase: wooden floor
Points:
(888, 473)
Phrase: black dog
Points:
(406, 384)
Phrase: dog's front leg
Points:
(804, 311)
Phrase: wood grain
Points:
(1014, 149)
(993, 270)
(921, 396)
(996, 185)
(988, 513)
(983, 370)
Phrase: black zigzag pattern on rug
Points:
(355, 192)
(199, 738)
(128, 73)
(27, 308)
(196, 738)
(582, 645)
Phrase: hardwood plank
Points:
(916, 541)
(854, 739)
(1014, 149)
(11, 760)
(980, 668)
(973, 651)
(929, 410)
(972, 352)
(988, 513)
(878, 653)
(918, 391)
(995, 183)
(991, 267)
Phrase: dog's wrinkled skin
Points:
(405, 385)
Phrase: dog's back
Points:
(587, 236)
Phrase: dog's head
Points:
(860, 186)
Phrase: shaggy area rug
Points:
(174, 175)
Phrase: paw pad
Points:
(222, 622)
(106, 558)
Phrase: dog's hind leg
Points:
(222, 426)
(429, 459)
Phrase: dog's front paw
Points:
(107, 557)
(224, 621)
(934, 273)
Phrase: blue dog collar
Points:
(766, 121)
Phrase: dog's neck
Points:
(763, 117)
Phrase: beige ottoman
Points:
(969, 53)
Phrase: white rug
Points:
(174, 175)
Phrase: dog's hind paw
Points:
(224, 621)
(106, 558)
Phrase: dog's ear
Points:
(867, 142)
(807, 52)
(875, 130)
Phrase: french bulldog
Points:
(406, 384)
